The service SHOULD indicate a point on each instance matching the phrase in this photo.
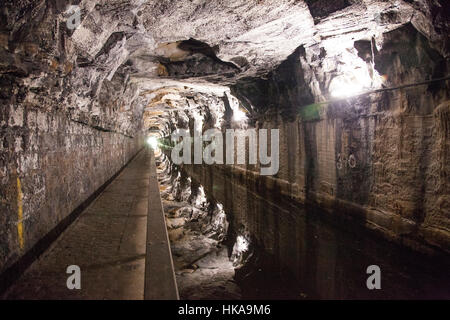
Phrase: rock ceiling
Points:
(146, 56)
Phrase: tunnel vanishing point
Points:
(357, 92)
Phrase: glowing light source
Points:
(354, 77)
(152, 142)
(239, 115)
(343, 87)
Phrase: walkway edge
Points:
(15, 271)
(160, 282)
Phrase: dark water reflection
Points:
(302, 253)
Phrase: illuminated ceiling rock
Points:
(96, 74)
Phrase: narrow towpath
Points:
(107, 241)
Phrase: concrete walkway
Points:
(107, 242)
(160, 283)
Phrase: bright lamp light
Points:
(239, 115)
(344, 88)
(354, 77)
(152, 142)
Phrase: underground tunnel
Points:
(224, 150)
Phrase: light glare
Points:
(152, 142)
(343, 88)
(355, 77)
(239, 115)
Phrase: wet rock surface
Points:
(196, 230)
(213, 260)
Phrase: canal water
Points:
(229, 242)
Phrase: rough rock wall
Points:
(380, 156)
(49, 166)
(65, 127)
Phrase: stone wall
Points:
(49, 165)
(381, 158)
(388, 172)
(68, 121)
